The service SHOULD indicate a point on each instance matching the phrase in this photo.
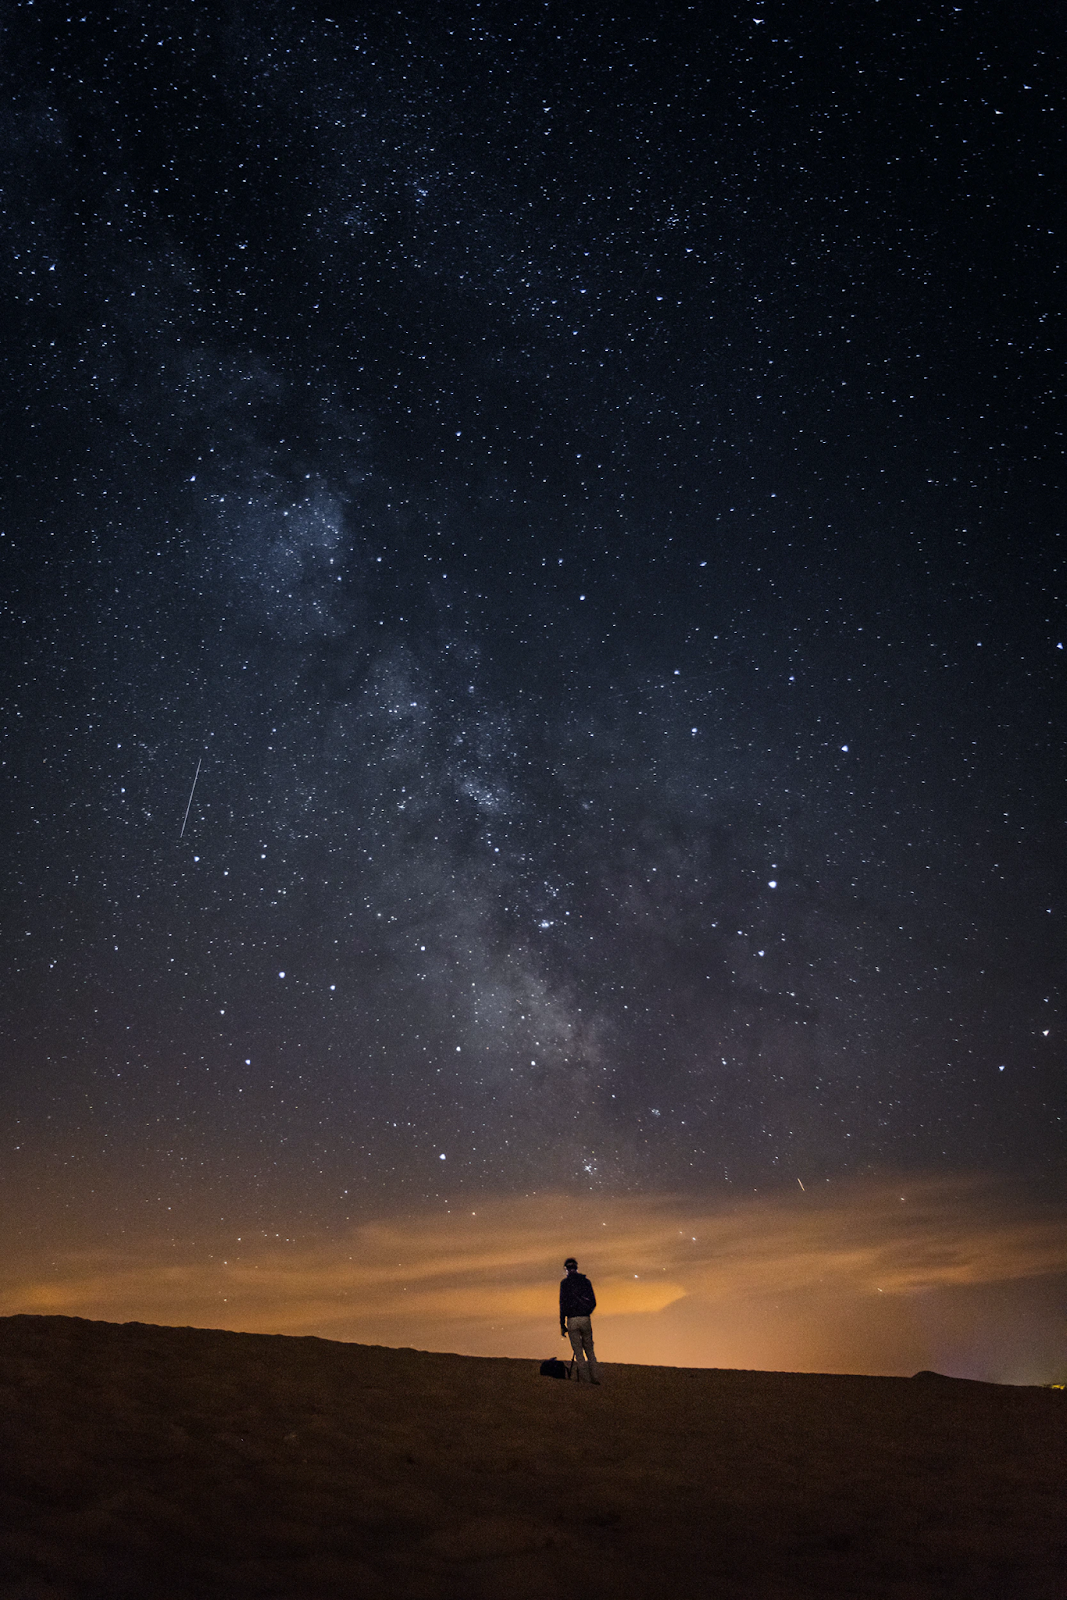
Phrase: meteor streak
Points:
(185, 819)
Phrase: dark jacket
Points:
(576, 1297)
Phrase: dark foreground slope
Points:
(158, 1463)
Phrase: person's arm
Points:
(562, 1315)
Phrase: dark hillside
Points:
(152, 1463)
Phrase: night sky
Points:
(582, 496)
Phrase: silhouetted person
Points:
(576, 1305)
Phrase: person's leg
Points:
(579, 1333)
(590, 1353)
(575, 1335)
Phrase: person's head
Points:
(570, 1264)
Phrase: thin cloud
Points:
(486, 1279)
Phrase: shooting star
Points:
(185, 819)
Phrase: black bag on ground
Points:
(555, 1368)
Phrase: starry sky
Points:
(580, 495)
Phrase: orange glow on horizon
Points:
(876, 1277)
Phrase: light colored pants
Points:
(580, 1333)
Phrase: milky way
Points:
(584, 492)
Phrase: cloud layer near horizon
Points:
(875, 1277)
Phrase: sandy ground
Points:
(156, 1463)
